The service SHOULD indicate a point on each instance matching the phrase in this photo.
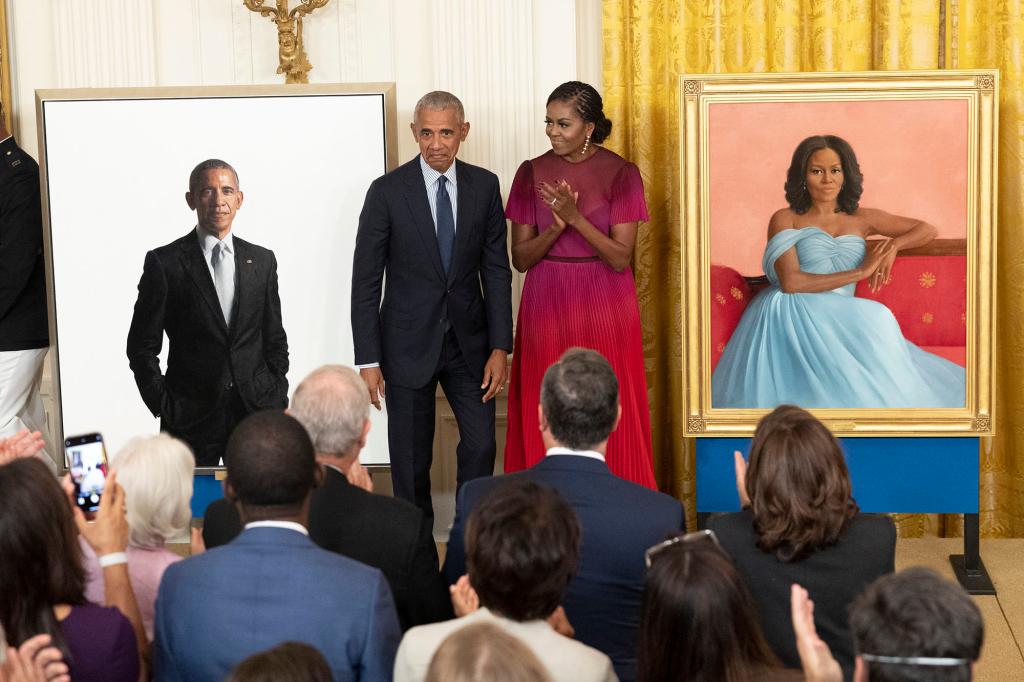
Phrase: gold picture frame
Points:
(730, 112)
(5, 71)
(305, 162)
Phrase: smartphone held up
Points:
(87, 463)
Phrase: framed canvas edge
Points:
(385, 89)
(981, 86)
(5, 70)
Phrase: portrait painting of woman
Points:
(806, 339)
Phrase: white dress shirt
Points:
(592, 454)
(430, 179)
(287, 525)
(207, 241)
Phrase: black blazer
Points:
(205, 358)
(619, 520)
(833, 577)
(23, 321)
(397, 236)
(383, 532)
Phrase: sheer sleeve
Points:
(522, 201)
(627, 197)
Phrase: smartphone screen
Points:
(87, 462)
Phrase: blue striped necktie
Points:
(445, 224)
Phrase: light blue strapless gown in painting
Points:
(828, 349)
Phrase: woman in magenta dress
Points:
(575, 212)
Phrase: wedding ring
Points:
(553, 201)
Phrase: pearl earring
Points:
(586, 146)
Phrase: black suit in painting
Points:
(216, 373)
(431, 326)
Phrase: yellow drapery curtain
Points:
(648, 43)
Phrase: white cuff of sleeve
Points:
(113, 559)
(368, 366)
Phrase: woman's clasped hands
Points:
(562, 200)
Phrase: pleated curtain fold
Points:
(648, 43)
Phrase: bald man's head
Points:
(333, 405)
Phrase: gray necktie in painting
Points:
(445, 224)
(222, 280)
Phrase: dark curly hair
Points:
(589, 106)
(798, 484)
(853, 181)
(522, 545)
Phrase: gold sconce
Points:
(294, 64)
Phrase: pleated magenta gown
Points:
(571, 298)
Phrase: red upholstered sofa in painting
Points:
(927, 295)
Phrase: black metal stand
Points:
(968, 567)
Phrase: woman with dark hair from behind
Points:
(484, 652)
(698, 620)
(575, 211)
(42, 583)
(287, 662)
(800, 524)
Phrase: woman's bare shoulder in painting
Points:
(783, 219)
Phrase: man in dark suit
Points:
(215, 295)
(579, 409)
(24, 330)
(272, 584)
(383, 532)
(435, 227)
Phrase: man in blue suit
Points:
(272, 584)
(579, 409)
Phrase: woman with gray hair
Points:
(156, 474)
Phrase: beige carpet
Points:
(1001, 657)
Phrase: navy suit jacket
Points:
(619, 521)
(269, 586)
(396, 237)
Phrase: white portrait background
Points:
(116, 173)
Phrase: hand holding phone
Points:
(87, 463)
(107, 533)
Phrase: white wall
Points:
(501, 57)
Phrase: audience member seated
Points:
(698, 620)
(911, 626)
(383, 532)
(43, 583)
(522, 545)
(916, 625)
(288, 662)
(272, 584)
(484, 653)
(801, 525)
(579, 409)
(156, 473)
(37, 660)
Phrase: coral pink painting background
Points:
(912, 153)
